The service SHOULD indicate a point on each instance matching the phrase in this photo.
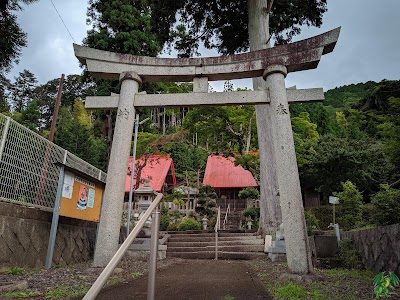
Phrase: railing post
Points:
(54, 222)
(216, 245)
(151, 289)
(4, 136)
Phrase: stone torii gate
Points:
(272, 64)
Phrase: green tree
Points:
(74, 133)
(123, 26)
(22, 90)
(74, 86)
(340, 159)
(5, 85)
(386, 205)
(350, 202)
(305, 137)
(13, 39)
(30, 116)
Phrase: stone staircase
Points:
(231, 245)
(234, 218)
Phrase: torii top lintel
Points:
(297, 56)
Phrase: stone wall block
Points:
(3, 225)
(57, 255)
(77, 256)
(74, 232)
(36, 238)
(23, 238)
(62, 262)
(18, 256)
(60, 242)
(5, 251)
(66, 256)
(31, 258)
(393, 263)
(79, 243)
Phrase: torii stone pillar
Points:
(111, 211)
(297, 248)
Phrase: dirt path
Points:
(196, 279)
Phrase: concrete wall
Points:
(24, 235)
(379, 247)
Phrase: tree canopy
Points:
(13, 39)
(223, 25)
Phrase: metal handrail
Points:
(217, 226)
(103, 277)
(228, 210)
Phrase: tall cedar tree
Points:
(13, 39)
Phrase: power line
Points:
(63, 21)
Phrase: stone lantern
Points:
(145, 195)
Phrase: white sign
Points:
(333, 200)
(68, 185)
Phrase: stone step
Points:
(221, 233)
(222, 243)
(211, 238)
(224, 248)
(221, 255)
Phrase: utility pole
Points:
(137, 124)
(56, 107)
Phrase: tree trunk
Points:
(270, 213)
(248, 138)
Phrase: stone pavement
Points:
(195, 280)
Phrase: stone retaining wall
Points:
(379, 247)
(24, 235)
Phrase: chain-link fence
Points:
(28, 170)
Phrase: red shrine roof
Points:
(157, 169)
(221, 172)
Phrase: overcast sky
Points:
(368, 47)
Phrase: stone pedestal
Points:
(297, 249)
(112, 206)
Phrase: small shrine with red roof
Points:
(159, 169)
(227, 180)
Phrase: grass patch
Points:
(20, 294)
(13, 271)
(66, 292)
(293, 291)
(115, 280)
(364, 275)
(228, 297)
(136, 274)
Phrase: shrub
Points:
(350, 202)
(324, 215)
(351, 259)
(189, 224)
(251, 212)
(311, 221)
(164, 222)
(172, 227)
(386, 205)
(249, 193)
(164, 209)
